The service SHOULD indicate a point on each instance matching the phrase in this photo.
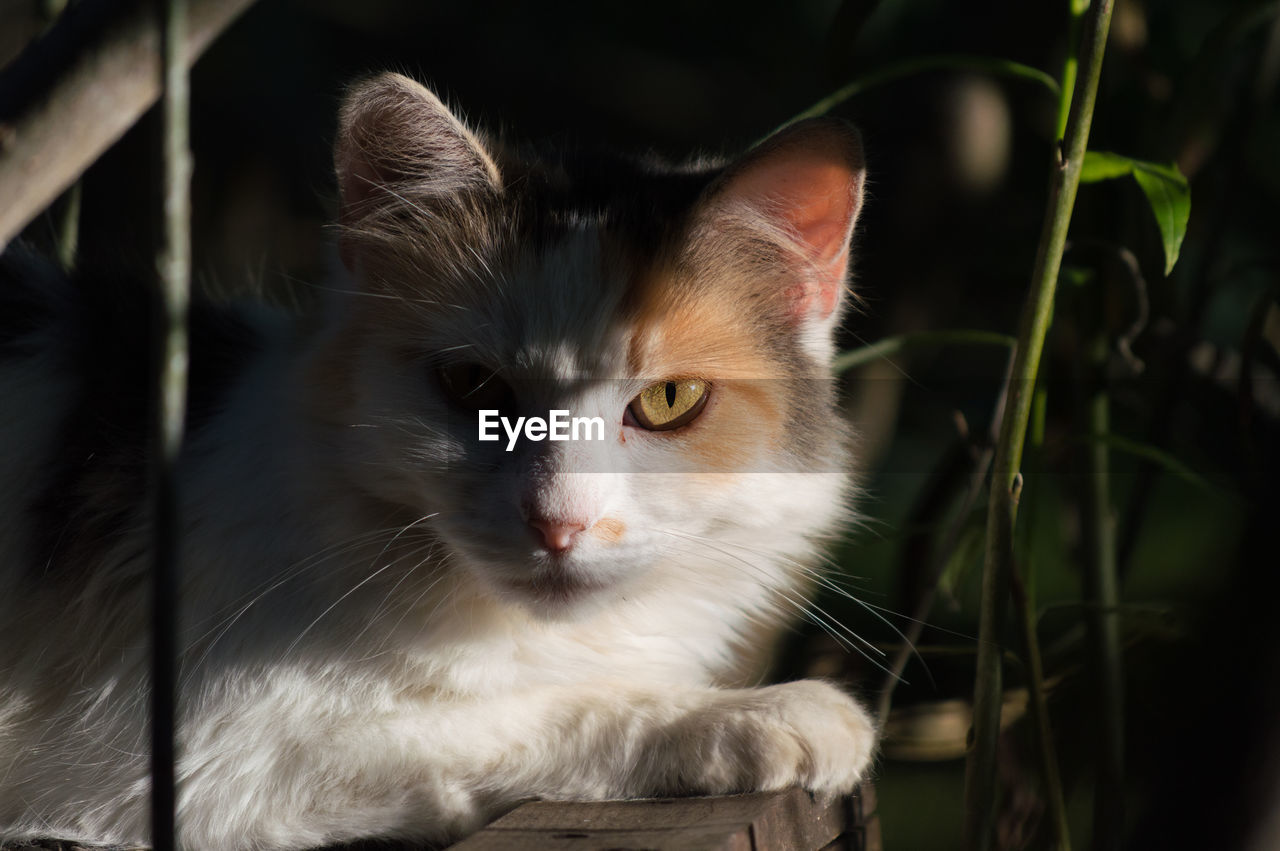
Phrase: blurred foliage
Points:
(958, 157)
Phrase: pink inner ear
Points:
(814, 191)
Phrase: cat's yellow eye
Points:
(473, 387)
(665, 405)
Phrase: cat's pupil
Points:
(671, 394)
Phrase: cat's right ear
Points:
(401, 151)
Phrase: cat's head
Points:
(686, 313)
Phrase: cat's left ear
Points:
(800, 188)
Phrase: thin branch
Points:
(1071, 64)
(1024, 598)
(980, 770)
(1101, 586)
(69, 226)
(49, 137)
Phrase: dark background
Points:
(958, 174)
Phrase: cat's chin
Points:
(556, 596)
(551, 588)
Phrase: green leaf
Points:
(1161, 459)
(919, 340)
(1100, 165)
(1170, 200)
(1166, 189)
(917, 65)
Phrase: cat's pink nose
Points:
(556, 535)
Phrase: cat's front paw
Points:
(806, 733)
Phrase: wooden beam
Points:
(57, 133)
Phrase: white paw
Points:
(806, 733)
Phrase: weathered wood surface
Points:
(792, 820)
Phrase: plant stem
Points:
(69, 227)
(1071, 64)
(174, 266)
(1101, 586)
(980, 770)
(1025, 610)
(1024, 598)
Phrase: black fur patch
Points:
(641, 202)
(101, 326)
(30, 292)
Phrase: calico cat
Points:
(391, 628)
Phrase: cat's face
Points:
(683, 318)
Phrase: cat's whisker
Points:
(800, 606)
(407, 609)
(367, 579)
(296, 571)
(952, 632)
(380, 609)
(831, 625)
(484, 264)
(397, 535)
(757, 619)
(294, 644)
(863, 342)
(254, 596)
(319, 556)
(441, 603)
(396, 297)
(430, 549)
(875, 611)
(869, 524)
(824, 579)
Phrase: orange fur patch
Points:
(704, 334)
(709, 334)
(609, 529)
